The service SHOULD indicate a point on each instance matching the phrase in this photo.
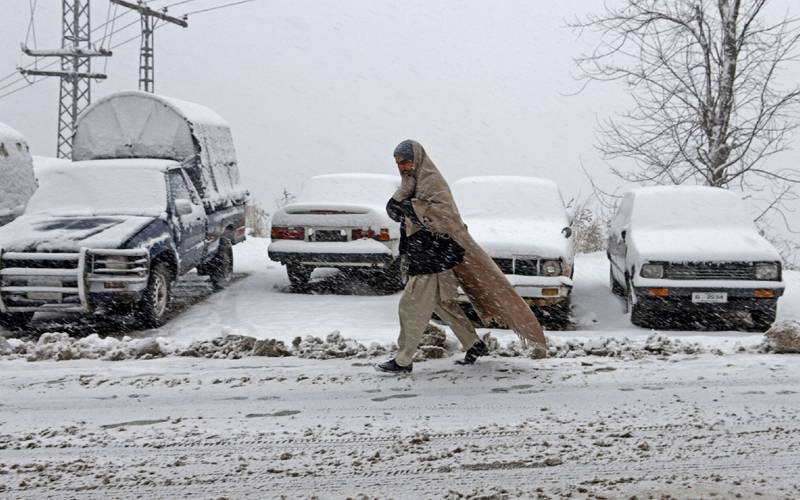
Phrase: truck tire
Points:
(299, 275)
(151, 311)
(220, 269)
(15, 321)
(763, 318)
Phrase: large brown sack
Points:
(491, 294)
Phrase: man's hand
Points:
(395, 210)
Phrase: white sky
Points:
(314, 87)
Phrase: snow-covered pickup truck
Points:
(523, 225)
(17, 182)
(153, 193)
(340, 221)
(692, 251)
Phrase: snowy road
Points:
(176, 427)
(725, 424)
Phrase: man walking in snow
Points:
(432, 287)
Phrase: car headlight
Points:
(767, 271)
(115, 261)
(551, 268)
(652, 271)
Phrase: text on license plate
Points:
(710, 297)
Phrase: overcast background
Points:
(313, 87)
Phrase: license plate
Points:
(709, 297)
(50, 296)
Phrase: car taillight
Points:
(288, 233)
(358, 234)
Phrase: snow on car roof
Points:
(372, 189)
(122, 164)
(8, 133)
(17, 182)
(688, 206)
(509, 197)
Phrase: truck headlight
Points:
(115, 262)
(551, 268)
(767, 271)
(655, 271)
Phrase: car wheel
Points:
(151, 311)
(641, 315)
(763, 318)
(558, 315)
(220, 269)
(395, 276)
(616, 287)
(15, 321)
(299, 275)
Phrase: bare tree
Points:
(704, 76)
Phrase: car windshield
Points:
(352, 188)
(509, 198)
(666, 208)
(101, 190)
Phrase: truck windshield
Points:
(101, 190)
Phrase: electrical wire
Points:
(217, 7)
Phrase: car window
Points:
(178, 187)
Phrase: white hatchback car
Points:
(523, 224)
(692, 252)
(340, 221)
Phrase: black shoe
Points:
(391, 366)
(477, 350)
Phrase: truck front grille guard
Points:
(23, 294)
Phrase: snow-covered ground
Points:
(689, 414)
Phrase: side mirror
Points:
(567, 232)
(183, 206)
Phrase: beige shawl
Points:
(493, 297)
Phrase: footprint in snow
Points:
(134, 422)
(394, 396)
(282, 413)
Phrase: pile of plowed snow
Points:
(60, 346)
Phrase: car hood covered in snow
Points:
(727, 244)
(31, 233)
(506, 238)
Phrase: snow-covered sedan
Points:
(694, 251)
(339, 221)
(523, 225)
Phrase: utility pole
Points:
(147, 50)
(76, 75)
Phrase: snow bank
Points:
(61, 347)
(17, 182)
(784, 337)
(142, 125)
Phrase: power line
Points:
(218, 7)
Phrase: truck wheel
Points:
(299, 275)
(616, 288)
(151, 311)
(15, 321)
(763, 318)
(220, 269)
